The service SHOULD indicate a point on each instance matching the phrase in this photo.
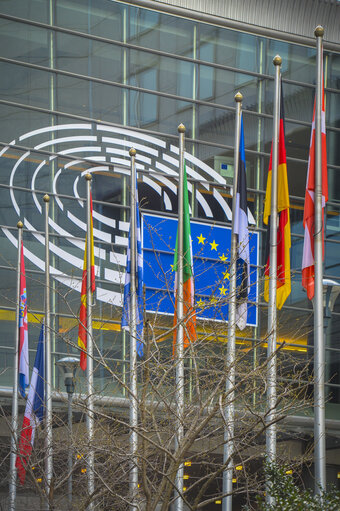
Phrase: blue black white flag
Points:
(139, 284)
(241, 229)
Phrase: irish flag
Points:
(82, 333)
(189, 313)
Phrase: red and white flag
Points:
(309, 211)
(34, 412)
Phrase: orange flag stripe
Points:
(189, 334)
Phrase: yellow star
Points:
(213, 300)
(200, 239)
(200, 303)
(226, 275)
(223, 290)
(213, 245)
(172, 267)
(223, 258)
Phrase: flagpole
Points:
(48, 374)
(133, 338)
(89, 347)
(228, 448)
(319, 354)
(272, 323)
(180, 329)
(14, 436)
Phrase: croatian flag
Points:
(241, 229)
(139, 285)
(23, 331)
(34, 412)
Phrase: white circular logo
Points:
(100, 144)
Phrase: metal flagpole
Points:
(133, 337)
(272, 326)
(89, 346)
(319, 354)
(14, 437)
(48, 373)
(180, 329)
(228, 448)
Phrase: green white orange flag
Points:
(82, 330)
(189, 313)
(283, 229)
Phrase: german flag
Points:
(283, 230)
(82, 330)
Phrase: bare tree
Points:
(204, 420)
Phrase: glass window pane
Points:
(89, 58)
(24, 42)
(96, 17)
(160, 31)
(36, 10)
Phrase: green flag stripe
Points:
(187, 263)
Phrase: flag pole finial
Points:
(20, 225)
(88, 177)
(181, 128)
(277, 60)
(46, 198)
(319, 31)
(238, 97)
(132, 151)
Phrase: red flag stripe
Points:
(309, 210)
(82, 334)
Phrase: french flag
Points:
(34, 412)
(23, 331)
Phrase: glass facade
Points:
(84, 82)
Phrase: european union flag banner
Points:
(211, 258)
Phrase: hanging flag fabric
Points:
(241, 229)
(82, 329)
(309, 209)
(189, 313)
(283, 230)
(34, 412)
(138, 283)
(23, 329)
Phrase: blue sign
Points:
(211, 261)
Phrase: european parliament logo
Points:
(211, 259)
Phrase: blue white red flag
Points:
(241, 229)
(23, 330)
(34, 412)
(139, 285)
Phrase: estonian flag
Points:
(139, 285)
(241, 229)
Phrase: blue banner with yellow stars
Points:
(211, 256)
